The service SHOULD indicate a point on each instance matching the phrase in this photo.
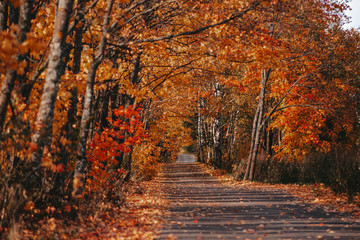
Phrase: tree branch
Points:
(202, 29)
(299, 105)
(282, 99)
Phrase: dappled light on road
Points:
(202, 207)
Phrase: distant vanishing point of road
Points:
(186, 158)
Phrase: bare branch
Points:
(282, 99)
(202, 29)
(300, 105)
(148, 11)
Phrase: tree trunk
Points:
(78, 37)
(69, 132)
(104, 108)
(218, 131)
(114, 98)
(44, 122)
(257, 126)
(128, 100)
(251, 152)
(231, 137)
(134, 79)
(14, 14)
(231, 150)
(147, 113)
(3, 15)
(269, 142)
(9, 81)
(86, 115)
(200, 130)
(5, 95)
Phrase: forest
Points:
(96, 95)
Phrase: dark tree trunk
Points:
(146, 113)
(78, 37)
(24, 21)
(69, 132)
(134, 78)
(269, 142)
(115, 100)
(129, 100)
(104, 109)
(14, 14)
(5, 94)
(3, 15)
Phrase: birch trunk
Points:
(253, 134)
(218, 131)
(257, 126)
(78, 182)
(44, 122)
(200, 130)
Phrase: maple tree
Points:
(105, 147)
(295, 69)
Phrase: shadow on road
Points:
(204, 208)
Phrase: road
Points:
(186, 158)
(202, 207)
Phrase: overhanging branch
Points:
(202, 29)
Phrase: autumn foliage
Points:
(107, 146)
(74, 74)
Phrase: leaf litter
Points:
(317, 194)
(139, 217)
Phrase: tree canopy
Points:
(95, 93)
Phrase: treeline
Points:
(285, 107)
(82, 101)
(96, 93)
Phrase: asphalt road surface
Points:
(202, 207)
(186, 158)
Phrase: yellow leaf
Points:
(29, 205)
(265, 3)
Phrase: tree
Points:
(26, 14)
(257, 126)
(43, 131)
(89, 95)
(286, 92)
